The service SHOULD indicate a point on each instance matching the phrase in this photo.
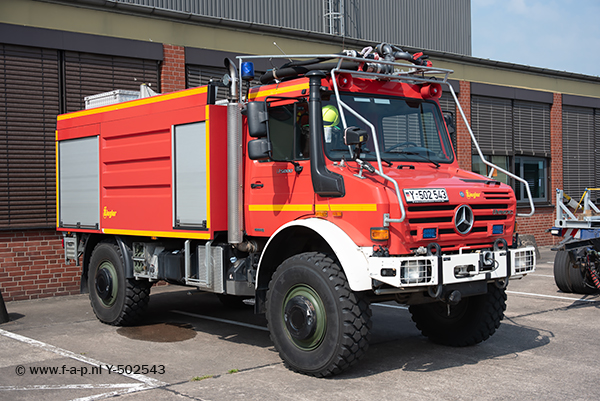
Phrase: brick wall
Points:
(556, 163)
(463, 138)
(172, 74)
(33, 266)
(542, 220)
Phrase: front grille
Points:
(496, 195)
(441, 216)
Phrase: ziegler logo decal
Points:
(496, 211)
(285, 171)
(473, 195)
(108, 213)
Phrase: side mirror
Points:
(355, 136)
(449, 118)
(259, 149)
(257, 119)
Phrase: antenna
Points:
(282, 52)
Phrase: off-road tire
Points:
(568, 278)
(470, 322)
(116, 300)
(340, 317)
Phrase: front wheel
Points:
(116, 300)
(472, 321)
(318, 325)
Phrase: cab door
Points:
(279, 190)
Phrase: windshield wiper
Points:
(437, 165)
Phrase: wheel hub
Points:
(300, 317)
(104, 285)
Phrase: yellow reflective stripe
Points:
(125, 105)
(277, 91)
(165, 234)
(207, 133)
(358, 207)
(352, 207)
(280, 208)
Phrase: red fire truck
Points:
(330, 185)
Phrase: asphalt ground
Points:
(192, 347)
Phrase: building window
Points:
(500, 161)
(534, 171)
(514, 135)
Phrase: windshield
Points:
(407, 129)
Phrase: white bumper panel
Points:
(420, 271)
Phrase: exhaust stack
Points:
(235, 197)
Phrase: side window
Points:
(288, 131)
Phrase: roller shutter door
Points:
(28, 107)
(492, 124)
(89, 74)
(532, 128)
(579, 150)
(197, 75)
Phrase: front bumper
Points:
(413, 272)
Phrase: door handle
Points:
(256, 185)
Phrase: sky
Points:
(561, 35)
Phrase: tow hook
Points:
(454, 298)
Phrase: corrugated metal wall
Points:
(443, 25)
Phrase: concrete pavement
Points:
(192, 347)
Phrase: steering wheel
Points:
(403, 145)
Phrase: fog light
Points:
(388, 272)
(380, 234)
(461, 271)
(498, 229)
(415, 272)
(429, 233)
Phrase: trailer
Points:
(577, 259)
(330, 185)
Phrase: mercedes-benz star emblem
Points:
(464, 219)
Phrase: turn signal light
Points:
(380, 234)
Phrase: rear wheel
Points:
(472, 321)
(568, 277)
(562, 265)
(318, 325)
(115, 299)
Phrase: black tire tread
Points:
(137, 296)
(484, 317)
(561, 271)
(357, 317)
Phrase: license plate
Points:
(425, 195)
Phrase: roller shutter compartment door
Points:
(90, 74)
(29, 84)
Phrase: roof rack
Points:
(413, 72)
